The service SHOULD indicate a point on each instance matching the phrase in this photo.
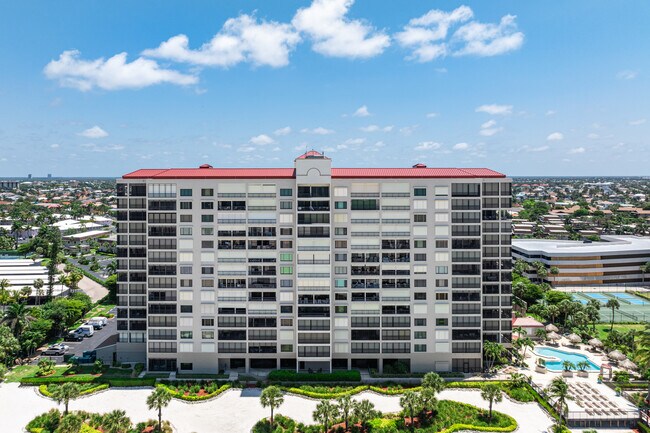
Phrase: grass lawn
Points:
(99, 310)
(602, 329)
(19, 372)
(25, 371)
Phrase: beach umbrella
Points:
(616, 355)
(628, 365)
(551, 328)
(594, 342)
(575, 338)
(554, 336)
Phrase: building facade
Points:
(312, 267)
(616, 261)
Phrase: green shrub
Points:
(179, 391)
(325, 392)
(292, 376)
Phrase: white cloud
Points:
(489, 124)
(431, 115)
(318, 131)
(408, 130)
(486, 40)
(362, 112)
(550, 113)
(428, 145)
(425, 35)
(494, 109)
(112, 74)
(335, 35)
(355, 141)
(577, 150)
(54, 146)
(461, 146)
(375, 128)
(489, 132)
(637, 122)
(380, 144)
(282, 131)
(94, 132)
(241, 39)
(246, 149)
(627, 75)
(555, 136)
(593, 136)
(261, 140)
(92, 147)
(537, 149)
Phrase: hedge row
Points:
(292, 376)
(119, 382)
(469, 427)
(326, 395)
(182, 396)
(44, 391)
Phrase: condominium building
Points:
(616, 261)
(312, 267)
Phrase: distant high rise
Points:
(312, 267)
(49, 175)
(29, 176)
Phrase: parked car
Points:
(75, 335)
(86, 330)
(53, 351)
(97, 325)
(101, 319)
(88, 357)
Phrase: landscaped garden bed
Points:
(292, 376)
(86, 422)
(84, 388)
(194, 390)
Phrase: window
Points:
(286, 244)
(286, 322)
(341, 309)
(207, 218)
(420, 218)
(442, 269)
(207, 322)
(420, 335)
(365, 204)
(340, 296)
(286, 192)
(419, 204)
(341, 231)
(286, 283)
(420, 296)
(207, 244)
(419, 348)
(442, 322)
(441, 191)
(186, 231)
(420, 243)
(286, 270)
(286, 231)
(207, 335)
(186, 270)
(340, 270)
(340, 205)
(286, 348)
(207, 192)
(187, 365)
(340, 257)
(286, 257)
(286, 309)
(186, 205)
(442, 296)
(419, 257)
(186, 335)
(340, 283)
(420, 192)
(186, 308)
(420, 322)
(340, 192)
(186, 192)
(340, 244)
(207, 231)
(442, 244)
(442, 283)
(286, 205)
(207, 205)
(186, 218)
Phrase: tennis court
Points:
(633, 308)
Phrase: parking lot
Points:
(90, 343)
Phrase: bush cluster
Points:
(292, 376)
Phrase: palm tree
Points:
(541, 270)
(73, 280)
(158, 399)
(38, 285)
(568, 365)
(66, 392)
(554, 271)
(492, 351)
(433, 381)
(16, 317)
(111, 268)
(541, 334)
(492, 394)
(411, 402)
(271, 397)
(525, 344)
(642, 339)
(346, 408)
(520, 266)
(566, 308)
(559, 389)
(325, 412)
(116, 422)
(364, 411)
(614, 305)
(582, 365)
(4, 293)
(70, 424)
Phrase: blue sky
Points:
(527, 88)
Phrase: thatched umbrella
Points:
(551, 328)
(627, 364)
(575, 338)
(553, 336)
(616, 355)
(594, 342)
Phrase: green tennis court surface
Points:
(633, 308)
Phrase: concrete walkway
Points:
(234, 411)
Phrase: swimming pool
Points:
(559, 356)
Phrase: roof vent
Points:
(420, 165)
(205, 166)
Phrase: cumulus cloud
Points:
(94, 132)
(555, 136)
(111, 74)
(92, 147)
(282, 131)
(461, 146)
(550, 113)
(637, 122)
(54, 146)
(431, 115)
(593, 136)
(428, 145)
(425, 35)
(241, 39)
(537, 149)
(494, 109)
(485, 40)
(375, 128)
(335, 35)
(261, 140)
(362, 112)
(489, 132)
(627, 75)
(318, 131)
(577, 150)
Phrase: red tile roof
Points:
(289, 173)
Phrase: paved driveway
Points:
(234, 411)
(78, 347)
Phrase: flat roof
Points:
(611, 245)
(290, 173)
